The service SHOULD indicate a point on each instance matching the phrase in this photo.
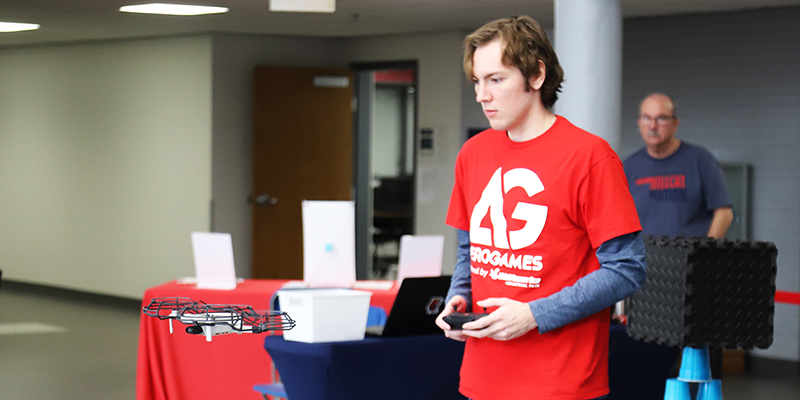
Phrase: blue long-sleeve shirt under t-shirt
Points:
(622, 272)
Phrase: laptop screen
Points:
(419, 301)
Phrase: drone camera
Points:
(194, 329)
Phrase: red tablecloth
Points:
(182, 366)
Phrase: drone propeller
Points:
(167, 307)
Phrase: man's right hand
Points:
(456, 304)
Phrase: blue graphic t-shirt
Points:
(677, 195)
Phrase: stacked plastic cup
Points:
(677, 390)
(710, 390)
(695, 367)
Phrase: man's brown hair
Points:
(526, 44)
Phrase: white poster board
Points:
(213, 260)
(329, 243)
(420, 256)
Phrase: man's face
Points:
(501, 89)
(657, 123)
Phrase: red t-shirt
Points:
(536, 211)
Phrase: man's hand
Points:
(456, 304)
(510, 320)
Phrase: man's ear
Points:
(536, 82)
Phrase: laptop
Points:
(419, 301)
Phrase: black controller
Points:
(457, 319)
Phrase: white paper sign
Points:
(329, 243)
(213, 260)
(420, 256)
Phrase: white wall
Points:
(439, 84)
(734, 77)
(104, 162)
(106, 157)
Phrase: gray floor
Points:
(53, 347)
(77, 349)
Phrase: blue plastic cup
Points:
(710, 390)
(695, 366)
(676, 390)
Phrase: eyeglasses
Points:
(660, 120)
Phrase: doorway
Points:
(385, 127)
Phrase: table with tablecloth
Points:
(426, 368)
(414, 367)
(181, 366)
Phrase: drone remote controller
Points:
(457, 319)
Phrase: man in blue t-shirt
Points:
(678, 187)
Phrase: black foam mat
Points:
(706, 292)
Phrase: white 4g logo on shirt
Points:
(491, 202)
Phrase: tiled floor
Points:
(57, 348)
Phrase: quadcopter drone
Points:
(216, 319)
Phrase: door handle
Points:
(263, 200)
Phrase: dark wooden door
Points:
(303, 150)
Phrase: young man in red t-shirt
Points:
(548, 233)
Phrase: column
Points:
(588, 41)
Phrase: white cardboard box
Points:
(325, 315)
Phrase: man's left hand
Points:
(510, 320)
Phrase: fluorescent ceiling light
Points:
(172, 9)
(328, 6)
(17, 26)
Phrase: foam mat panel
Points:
(706, 292)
